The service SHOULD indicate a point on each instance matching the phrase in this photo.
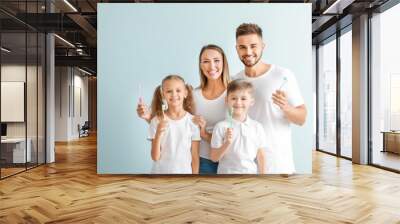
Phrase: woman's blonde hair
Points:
(156, 103)
(225, 70)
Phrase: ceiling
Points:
(76, 22)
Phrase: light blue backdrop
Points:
(139, 44)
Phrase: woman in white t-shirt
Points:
(209, 100)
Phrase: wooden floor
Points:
(5, 172)
(70, 191)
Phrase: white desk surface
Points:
(13, 140)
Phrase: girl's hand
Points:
(161, 127)
(199, 120)
(143, 112)
(228, 136)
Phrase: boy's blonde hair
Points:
(240, 84)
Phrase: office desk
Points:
(391, 141)
(15, 148)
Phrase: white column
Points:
(50, 92)
(360, 90)
(50, 100)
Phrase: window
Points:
(327, 97)
(22, 65)
(346, 94)
(385, 89)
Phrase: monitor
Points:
(3, 129)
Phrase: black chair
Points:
(84, 130)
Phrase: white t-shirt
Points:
(176, 156)
(240, 157)
(212, 111)
(279, 154)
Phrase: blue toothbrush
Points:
(283, 83)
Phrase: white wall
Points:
(70, 83)
(79, 117)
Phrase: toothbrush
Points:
(283, 83)
(140, 94)
(164, 106)
(230, 112)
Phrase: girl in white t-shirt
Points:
(209, 99)
(175, 138)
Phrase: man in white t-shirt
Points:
(278, 100)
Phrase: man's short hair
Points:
(239, 84)
(248, 28)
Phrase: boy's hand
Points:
(142, 111)
(228, 136)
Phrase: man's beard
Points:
(251, 64)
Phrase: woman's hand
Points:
(199, 120)
(143, 112)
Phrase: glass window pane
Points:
(22, 74)
(41, 98)
(32, 95)
(327, 97)
(14, 151)
(346, 94)
(386, 89)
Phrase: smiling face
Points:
(249, 48)
(174, 92)
(211, 64)
(240, 101)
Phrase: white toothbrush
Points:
(140, 94)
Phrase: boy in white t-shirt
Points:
(238, 142)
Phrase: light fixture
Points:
(5, 50)
(70, 5)
(64, 40)
(84, 71)
(337, 7)
(79, 51)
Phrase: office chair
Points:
(84, 130)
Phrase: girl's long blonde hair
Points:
(225, 70)
(156, 103)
